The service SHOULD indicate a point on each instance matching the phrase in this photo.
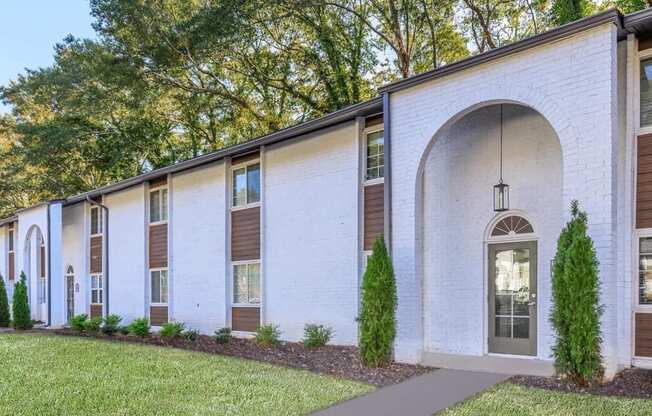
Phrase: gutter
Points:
(105, 246)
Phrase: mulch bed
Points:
(340, 361)
(634, 383)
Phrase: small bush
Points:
(123, 329)
(20, 306)
(191, 335)
(315, 336)
(171, 330)
(5, 318)
(268, 335)
(77, 322)
(223, 336)
(139, 327)
(93, 325)
(111, 324)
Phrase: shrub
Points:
(93, 325)
(576, 310)
(191, 335)
(315, 336)
(111, 324)
(268, 335)
(123, 329)
(223, 336)
(139, 327)
(20, 306)
(171, 330)
(378, 311)
(5, 318)
(77, 322)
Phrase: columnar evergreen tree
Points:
(22, 317)
(576, 303)
(378, 312)
(5, 318)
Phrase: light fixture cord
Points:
(501, 143)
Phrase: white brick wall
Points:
(127, 253)
(74, 250)
(198, 250)
(572, 84)
(310, 234)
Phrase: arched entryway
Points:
(35, 269)
(457, 228)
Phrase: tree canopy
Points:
(167, 80)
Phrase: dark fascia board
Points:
(8, 220)
(639, 22)
(608, 16)
(340, 116)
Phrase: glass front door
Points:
(512, 298)
(70, 289)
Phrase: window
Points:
(646, 92)
(645, 271)
(97, 289)
(246, 284)
(11, 241)
(159, 286)
(96, 220)
(246, 185)
(158, 205)
(375, 155)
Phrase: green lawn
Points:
(508, 399)
(52, 375)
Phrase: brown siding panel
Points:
(245, 234)
(158, 315)
(374, 213)
(643, 335)
(96, 254)
(42, 261)
(245, 158)
(96, 311)
(161, 181)
(12, 267)
(245, 319)
(644, 181)
(158, 246)
(373, 120)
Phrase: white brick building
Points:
(277, 230)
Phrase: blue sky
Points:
(29, 30)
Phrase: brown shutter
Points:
(42, 261)
(160, 181)
(158, 246)
(245, 234)
(374, 214)
(643, 335)
(373, 120)
(96, 254)
(158, 315)
(12, 267)
(245, 158)
(245, 319)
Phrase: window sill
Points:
(158, 223)
(245, 305)
(376, 181)
(246, 206)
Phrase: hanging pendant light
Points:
(501, 190)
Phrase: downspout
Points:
(105, 271)
(388, 174)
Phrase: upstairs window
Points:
(375, 155)
(158, 205)
(96, 220)
(646, 93)
(246, 185)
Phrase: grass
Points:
(510, 399)
(51, 375)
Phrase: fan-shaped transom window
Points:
(70, 270)
(512, 225)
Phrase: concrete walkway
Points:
(418, 396)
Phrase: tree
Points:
(576, 309)
(5, 318)
(631, 6)
(378, 312)
(566, 11)
(22, 317)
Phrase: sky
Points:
(29, 29)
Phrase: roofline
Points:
(609, 16)
(345, 114)
(8, 220)
(630, 20)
